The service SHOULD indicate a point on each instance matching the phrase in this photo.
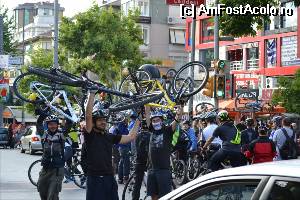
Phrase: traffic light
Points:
(209, 87)
(220, 65)
(221, 83)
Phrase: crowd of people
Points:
(151, 140)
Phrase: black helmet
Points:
(99, 114)
(249, 122)
(152, 70)
(187, 122)
(51, 118)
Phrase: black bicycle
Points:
(74, 171)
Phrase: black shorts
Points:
(159, 182)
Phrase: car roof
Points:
(288, 168)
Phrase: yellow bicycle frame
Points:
(157, 86)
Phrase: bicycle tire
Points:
(19, 93)
(195, 170)
(135, 102)
(190, 64)
(80, 185)
(29, 172)
(182, 180)
(136, 83)
(203, 103)
(63, 80)
(126, 186)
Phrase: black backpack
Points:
(289, 147)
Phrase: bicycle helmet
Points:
(223, 115)
(156, 114)
(249, 122)
(133, 115)
(277, 120)
(187, 122)
(210, 115)
(152, 70)
(99, 114)
(51, 118)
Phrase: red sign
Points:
(267, 94)
(186, 2)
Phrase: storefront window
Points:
(206, 56)
(271, 52)
(289, 51)
(208, 30)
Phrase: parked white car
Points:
(278, 180)
(31, 141)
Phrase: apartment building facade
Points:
(163, 30)
(257, 60)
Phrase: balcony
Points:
(252, 64)
(236, 65)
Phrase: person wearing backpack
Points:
(285, 141)
(51, 176)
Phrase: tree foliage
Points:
(100, 40)
(289, 93)
(8, 28)
(243, 25)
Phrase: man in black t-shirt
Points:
(101, 183)
(231, 143)
(159, 181)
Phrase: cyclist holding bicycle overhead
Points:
(231, 145)
(101, 183)
(159, 181)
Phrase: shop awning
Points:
(15, 112)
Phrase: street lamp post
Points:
(23, 51)
(191, 72)
(55, 55)
(216, 53)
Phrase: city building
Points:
(163, 30)
(37, 21)
(257, 60)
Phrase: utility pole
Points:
(55, 56)
(216, 53)
(191, 72)
(23, 49)
(1, 53)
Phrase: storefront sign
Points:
(186, 2)
(289, 51)
(267, 94)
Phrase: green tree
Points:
(8, 28)
(100, 40)
(243, 25)
(288, 93)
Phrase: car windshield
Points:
(3, 131)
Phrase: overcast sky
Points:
(71, 6)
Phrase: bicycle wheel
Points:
(179, 172)
(32, 88)
(33, 172)
(204, 107)
(137, 82)
(128, 189)
(199, 78)
(192, 170)
(135, 102)
(78, 175)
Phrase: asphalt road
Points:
(14, 182)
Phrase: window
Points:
(208, 30)
(289, 21)
(282, 190)
(46, 45)
(230, 190)
(27, 17)
(177, 36)
(271, 52)
(144, 8)
(145, 32)
(206, 56)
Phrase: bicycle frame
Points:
(73, 117)
(170, 104)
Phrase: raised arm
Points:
(89, 112)
(132, 134)
(177, 117)
(147, 113)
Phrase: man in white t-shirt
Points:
(208, 131)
